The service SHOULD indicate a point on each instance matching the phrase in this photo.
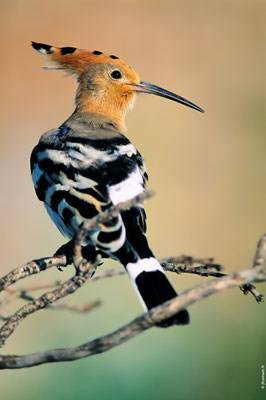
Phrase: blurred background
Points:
(207, 170)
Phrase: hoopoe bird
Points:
(88, 164)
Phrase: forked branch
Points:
(137, 326)
(84, 270)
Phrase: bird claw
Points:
(65, 250)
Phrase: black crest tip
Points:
(41, 46)
(67, 50)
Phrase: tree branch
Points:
(140, 324)
(84, 269)
(256, 274)
(68, 287)
(31, 268)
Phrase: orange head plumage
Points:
(107, 85)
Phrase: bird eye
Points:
(116, 74)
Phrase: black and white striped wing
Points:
(78, 178)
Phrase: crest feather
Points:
(72, 59)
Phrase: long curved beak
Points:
(146, 87)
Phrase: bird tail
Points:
(144, 270)
(153, 288)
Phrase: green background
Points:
(208, 172)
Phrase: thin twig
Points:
(259, 260)
(60, 305)
(202, 270)
(81, 308)
(249, 288)
(172, 264)
(190, 260)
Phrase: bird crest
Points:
(106, 85)
(75, 60)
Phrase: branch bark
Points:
(257, 273)
(137, 326)
(31, 268)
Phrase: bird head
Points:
(107, 85)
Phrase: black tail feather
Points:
(155, 289)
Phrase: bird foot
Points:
(66, 250)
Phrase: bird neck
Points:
(92, 126)
(96, 104)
